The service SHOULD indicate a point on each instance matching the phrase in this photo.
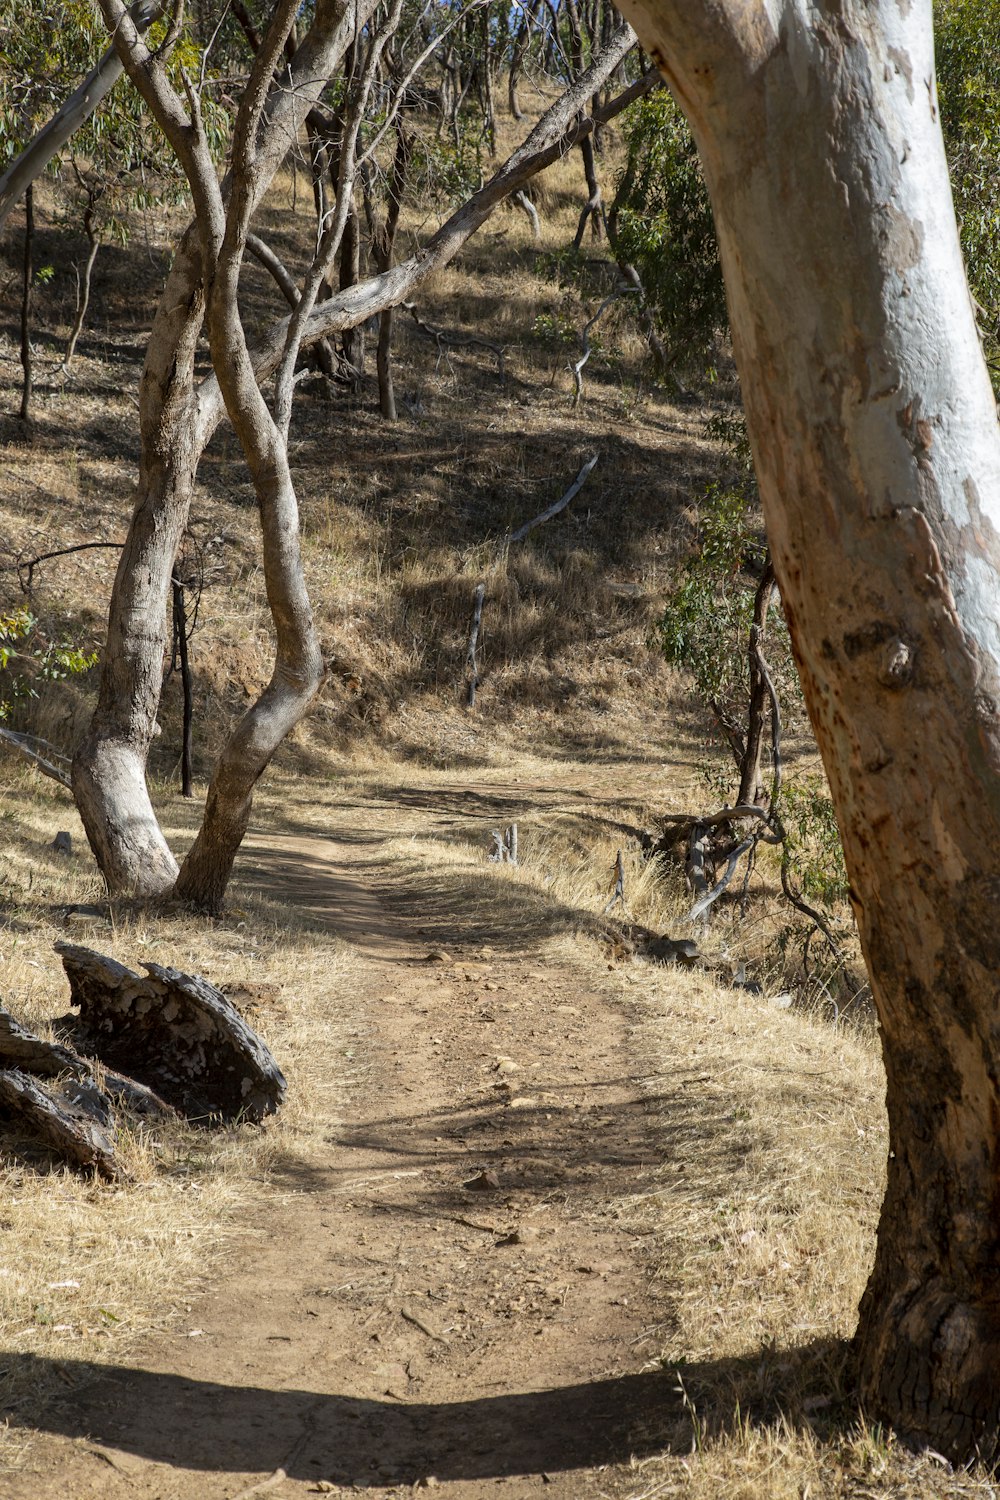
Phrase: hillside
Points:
(654, 1295)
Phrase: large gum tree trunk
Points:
(875, 437)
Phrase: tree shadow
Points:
(205, 1426)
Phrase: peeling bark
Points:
(875, 438)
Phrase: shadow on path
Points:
(199, 1425)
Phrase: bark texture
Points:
(175, 1033)
(875, 437)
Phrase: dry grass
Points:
(761, 1228)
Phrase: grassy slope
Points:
(400, 524)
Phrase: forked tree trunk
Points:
(176, 419)
(109, 770)
(875, 437)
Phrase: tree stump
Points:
(175, 1033)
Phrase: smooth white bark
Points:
(875, 438)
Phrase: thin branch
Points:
(442, 338)
(577, 368)
(70, 116)
(558, 130)
(560, 504)
(31, 563)
(19, 742)
(701, 906)
(332, 236)
(408, 78)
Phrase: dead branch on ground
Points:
(559, 505)
(446, 340)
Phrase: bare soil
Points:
(450, 1301)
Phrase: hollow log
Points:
(176, 1034)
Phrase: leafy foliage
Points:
(117, 157)
(967, 36)
(26, 659)
(707, 620)
(662, 218)
(661, 222)
(813, 840)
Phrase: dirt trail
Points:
(451, 1302)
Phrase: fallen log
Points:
(175, 1033)
(69, 1113)
(69, 1117)
(20, 1048)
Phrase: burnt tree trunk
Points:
(176, 1034)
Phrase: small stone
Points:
(522, 1235)
(80, 916)
(486, 1181)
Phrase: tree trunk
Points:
(27, 274)
(109, 769)
(176, 420)
(350, 275)
(180, 656)
(94, 241)
(877, 449)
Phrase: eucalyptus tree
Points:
(875, 437)
(179, 409)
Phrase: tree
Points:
(875, 438)
(180, 410)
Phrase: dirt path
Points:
(450, 1303)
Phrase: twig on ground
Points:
(443, 339)
(560, 504)
(418, 1322)
(278, 1477)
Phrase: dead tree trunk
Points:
(176, 1034)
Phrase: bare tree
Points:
(875, 437)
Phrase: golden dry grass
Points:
(761, 1228)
